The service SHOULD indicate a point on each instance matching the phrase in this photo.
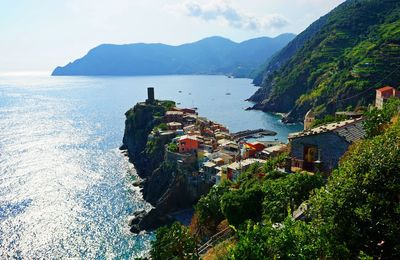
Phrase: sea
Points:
(65, 188)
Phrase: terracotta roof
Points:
(385, 89)
(351, 130)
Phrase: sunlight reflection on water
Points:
(65, 189)
(61, 194)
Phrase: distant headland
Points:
(213, 55)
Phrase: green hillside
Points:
(356, 50)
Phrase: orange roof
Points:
(385, 89)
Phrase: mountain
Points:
(336, 63)
(213, 55)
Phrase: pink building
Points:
(383, 94)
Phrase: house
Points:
(173, 126)
(234, 169)
(173, 116)
(250, 150)
(273, 151)
(188, 144)
(320, 148)
(189, 119)
(383, 94)
(210, 168)
(309, 119)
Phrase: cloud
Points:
(222, 10)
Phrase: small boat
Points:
(178, 103)
(228, 93)
(190, 93)
(180, 91)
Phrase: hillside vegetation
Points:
(355, 214)
(337, 63)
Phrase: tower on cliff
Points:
(309, 119)
(150, 95)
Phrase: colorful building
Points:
(173, 116)
(173, 126)
(188, 144)
(383, 94)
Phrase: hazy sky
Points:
(38, 35)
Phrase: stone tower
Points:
(150, 95)
(309, 119)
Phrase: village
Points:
(210, 153)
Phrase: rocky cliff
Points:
(165, 185)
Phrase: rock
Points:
(150, 221)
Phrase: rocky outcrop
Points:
(166, 186)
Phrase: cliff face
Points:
(166, 186)
(336, 63)
(140, 121)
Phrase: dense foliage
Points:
(356, 215)
(378, 119)
(174, 242)
(173, 147)
(286, 192)
(355, 51)
(208, 211)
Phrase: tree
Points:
(289, 240)
(291, 191)
(208, 213)
(174, 242)
(377, 120)
(360, 205)
(241, 205)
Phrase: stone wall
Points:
(332, 148)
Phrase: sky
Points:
(38, 35)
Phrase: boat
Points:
(228, 93)
(180, 91)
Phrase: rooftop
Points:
(352, 130)
(184, 137)
(209, 164)
(174, 113)
(244, 163)
(275, 148)
(174, 124)
(385, 89)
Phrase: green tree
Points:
(360, 205)
(174, 242)
(241, 205)
(378, 119)
(290, 191)
(289, 240)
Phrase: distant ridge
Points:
(336, 63)
(213, 55)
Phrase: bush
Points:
(241, 205)
(174, 242)
(378, 120)
(173, 147)
(291, 191)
